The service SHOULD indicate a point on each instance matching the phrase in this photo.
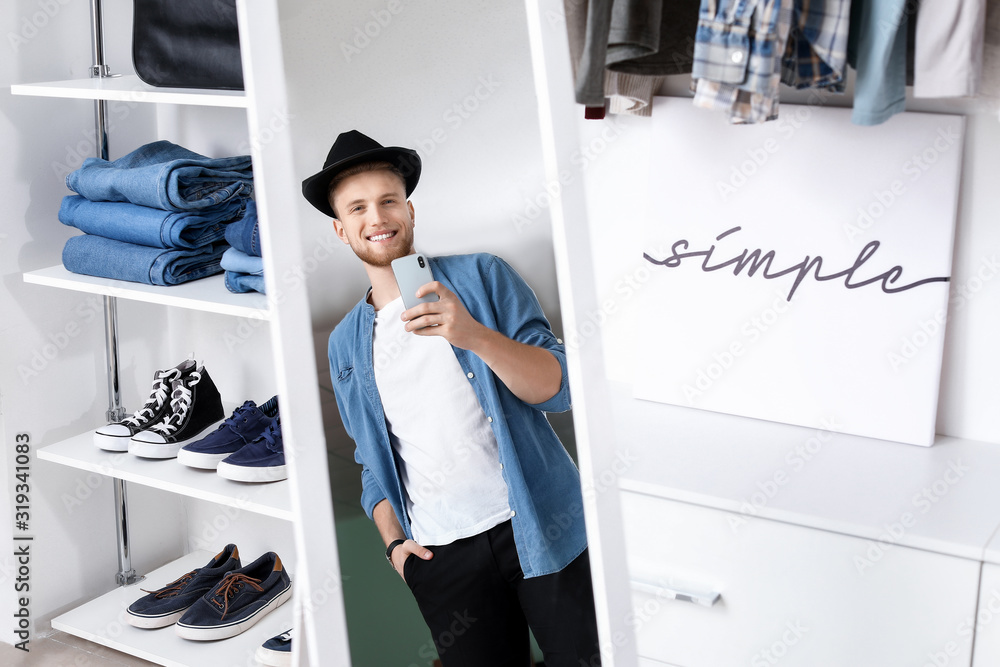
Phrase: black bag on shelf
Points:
(187, 44)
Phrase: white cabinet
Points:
(986, 621)
(663, 483)
(787, 594)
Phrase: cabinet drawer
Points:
(987, 619)
(788, 595)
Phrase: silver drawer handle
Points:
(704, 598)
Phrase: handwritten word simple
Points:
(759, 260)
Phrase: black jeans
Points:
(478, 605)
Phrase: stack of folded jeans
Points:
(157, 215)
(242, 261)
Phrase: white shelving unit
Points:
(102, 621)
(322, 628)
(208, 294)
(130, 89)
(270, 499)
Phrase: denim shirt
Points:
(542, 481)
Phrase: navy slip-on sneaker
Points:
(164, 606)
(242, 598)
(244, 426)
(115, 437)
(263, 460)
(276, 651)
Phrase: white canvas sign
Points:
(800, 268)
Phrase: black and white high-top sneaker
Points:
(195, 407)
(115, 437)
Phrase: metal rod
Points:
(116, 412)
(126, 575)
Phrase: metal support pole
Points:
(116, 412)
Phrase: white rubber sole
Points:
(163, 450)
(151, 622)
(199, 459)
(111, 443)
(199, 633)
(271, 658)
(252, 474)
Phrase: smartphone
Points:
(412, 272)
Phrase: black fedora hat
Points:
(352, 148)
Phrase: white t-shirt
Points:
(451, 465)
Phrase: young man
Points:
(478, 502)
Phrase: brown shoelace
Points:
(174, 587)
(230, 586)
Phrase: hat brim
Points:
(315, 188)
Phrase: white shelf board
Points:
(271, 498)
(847, 484)
(129, 88)
(207, 294)
(102, 621)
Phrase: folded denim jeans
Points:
(244, 232)
(164, 175)
(107, 258)
(244, 282)
(147, 226)
(240, 262)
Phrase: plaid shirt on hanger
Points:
(816, 55)
(738, 55)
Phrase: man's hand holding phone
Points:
(447, 317)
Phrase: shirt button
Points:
(501, 466)
(513, 513)
(559, 340)
(489, 419)
(470, 375)
(737, 57)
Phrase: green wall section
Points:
(384, 624)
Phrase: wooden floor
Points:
(60, 649)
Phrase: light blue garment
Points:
(147, 226)
(164, 175)
(99, 256)
(240, 262)
(244, 233)
(239, 283)
(877, 50)
(542, 481)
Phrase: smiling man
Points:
(477, 501)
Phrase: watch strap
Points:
(388, 549)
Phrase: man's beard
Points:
(374, 257)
